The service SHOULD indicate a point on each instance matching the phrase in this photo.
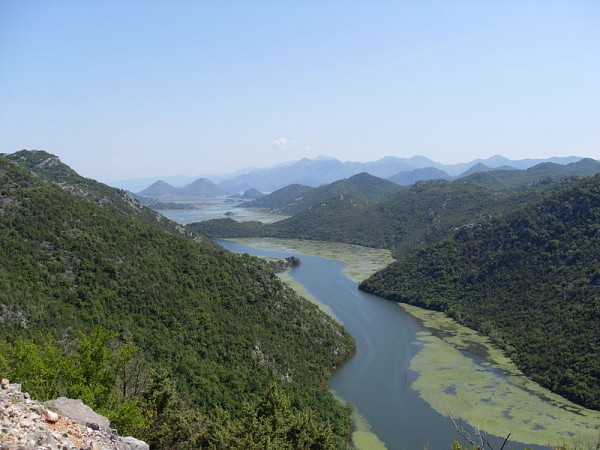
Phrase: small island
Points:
(282, 264)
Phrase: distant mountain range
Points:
(316, 172)
(424, 174)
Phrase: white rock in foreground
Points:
(27, 424)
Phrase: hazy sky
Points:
(124, 89)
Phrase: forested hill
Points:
(530, 280)
(222, 326)
(292, 200)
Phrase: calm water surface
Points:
(377, 379)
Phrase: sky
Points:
(129, 89)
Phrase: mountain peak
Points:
(157, 189)
(203, 187)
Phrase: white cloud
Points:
(280, 143)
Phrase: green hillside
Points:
(530, 280)
(221, 325)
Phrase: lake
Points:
(216, 208)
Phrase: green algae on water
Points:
(495, 397)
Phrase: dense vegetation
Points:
(221, 326)
(530, 280)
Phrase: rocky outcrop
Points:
(79, 412)
(61, 424)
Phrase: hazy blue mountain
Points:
(306, 171)
(323, 170)
(390, 165)
(499, 161)
(203, 187)
(480, 167)
(411, 177)
(158, 189)
(139, 184)
(252, 194)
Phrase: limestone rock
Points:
(79, 412)
(134, 444)
(49, 416)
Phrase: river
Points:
(378, 379)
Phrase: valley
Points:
(197, 210)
